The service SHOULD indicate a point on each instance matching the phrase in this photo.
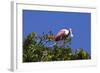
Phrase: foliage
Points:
(34, 49)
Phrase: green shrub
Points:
(35, 51)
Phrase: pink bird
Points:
(61, 34)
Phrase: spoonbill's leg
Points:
(52, 45)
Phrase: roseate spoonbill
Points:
(61, 34)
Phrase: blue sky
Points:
(43, 21)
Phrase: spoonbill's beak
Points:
(71, 34)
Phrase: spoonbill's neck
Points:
(66, 31)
